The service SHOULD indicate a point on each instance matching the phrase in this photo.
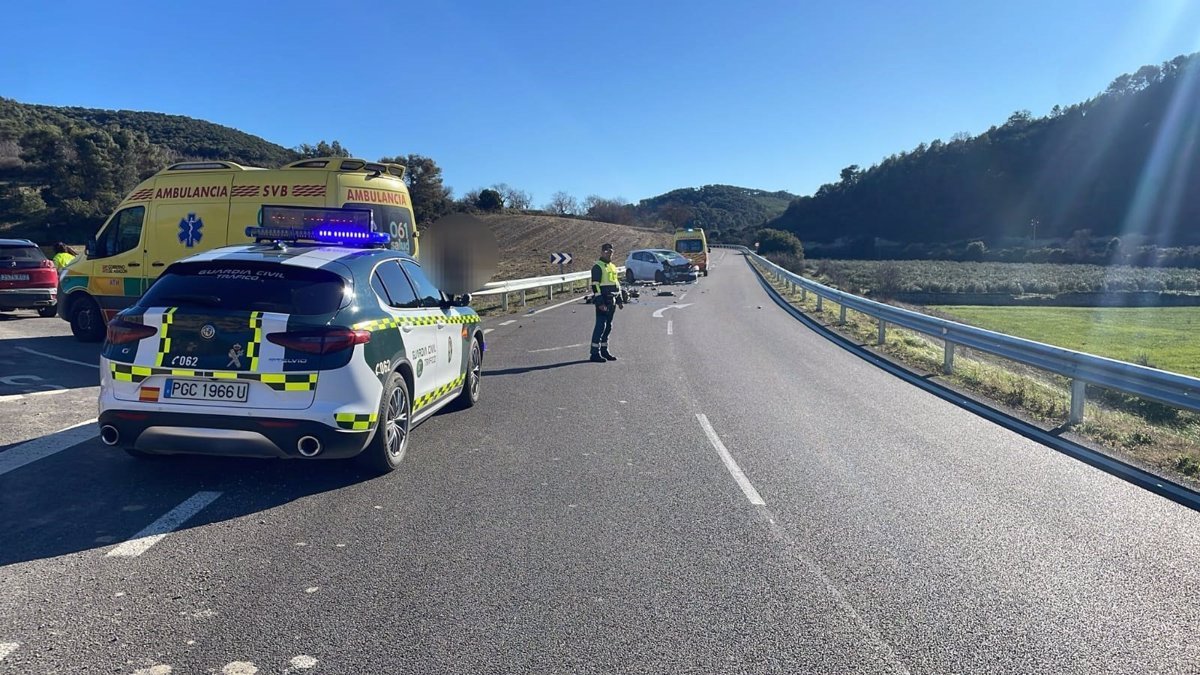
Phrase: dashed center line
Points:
(39, 448)
(554, 349)
(734, 469)
(7, 648)
(154, 532)
(59, 358)
(505, 323)
(488, 330)
(670, 327)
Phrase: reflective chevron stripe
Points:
(428, 320)
(433, 396)
(164, 340)
(255, 347)
(355, 421)
(125, 372)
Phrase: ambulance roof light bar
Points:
(344, 227)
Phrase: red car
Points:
(27, 279)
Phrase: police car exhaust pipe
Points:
(109, 434)
(308, 446)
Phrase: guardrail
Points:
(1180, 391)
(523, 286)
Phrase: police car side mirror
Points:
(463, 300)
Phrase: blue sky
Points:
(620, 99)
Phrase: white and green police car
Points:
(315, 342)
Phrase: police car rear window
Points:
(247, 286)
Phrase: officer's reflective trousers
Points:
(604, 318)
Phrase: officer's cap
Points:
(606, 247)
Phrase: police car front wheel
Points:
(387, 447)
(470, 393)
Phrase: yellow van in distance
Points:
(191, 207)
(694, 246)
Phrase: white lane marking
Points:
(59, 358)
(658, 313)
(488, 330)
(554, 349)
(39, 448)
(734, 469)
(303, 662)
(154, 532)
(154, 670)
(505, 323)
(239, 668)
(547, 309)
(7, 648)
(18, 397)
(670, 327)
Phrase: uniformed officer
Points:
(63, 255)
(606, 296)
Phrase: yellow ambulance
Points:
(191, 207)
(692, 243)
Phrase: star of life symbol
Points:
(189, 230)
(235, 357)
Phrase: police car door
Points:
(419, 332)
(449, 340)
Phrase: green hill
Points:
(719, 208)
(63, 170)
(1122, 164)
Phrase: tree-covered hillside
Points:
(63, 170)
(1125, 164)
(721, 208)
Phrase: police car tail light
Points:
(320, 341)
(124, 332)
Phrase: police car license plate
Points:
(14, 277)
(207, 390)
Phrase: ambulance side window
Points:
(123, 233)
(399, 293)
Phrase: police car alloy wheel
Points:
(470, 394)
(390, 443)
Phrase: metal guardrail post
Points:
(1078, 398)
(505, 303)
(882, 332)
(803, 295)
(820, 302)
(551, 290)
(842, 316)
(522, 297)
(948, 359)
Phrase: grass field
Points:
(1162, 337)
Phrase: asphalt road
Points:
(734, 495)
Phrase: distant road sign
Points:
(561, 258)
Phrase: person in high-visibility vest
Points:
(63, 255)
(606, 296)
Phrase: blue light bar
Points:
(348, 227)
